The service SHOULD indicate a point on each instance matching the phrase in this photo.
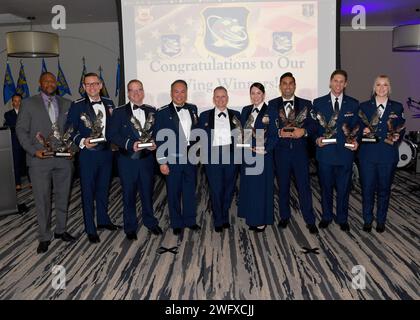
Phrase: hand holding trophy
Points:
(369, 135)
(393, 134)
(330, 129)
(350, 135)
(96, 127)
(291, 122)
(146, 139)
(246, 132)
(56, 145)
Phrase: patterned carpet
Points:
(236, 264)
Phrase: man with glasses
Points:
(36, 117)
(87, 116)
(136, 163)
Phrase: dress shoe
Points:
(18, 187)
(344, 226)
(367, 227)
(252, 228)
(218, 229)
(65, 236)
(324, 224)
(43, 246)
(260, 228)
(283, 223)
(312, 228)
(380, 227)
(93, 238)
(226, 225)
(111, 227)
(194, 227)
(156, 230)
(131, 236)
(177, 231)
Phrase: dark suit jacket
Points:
(336, 154)
(167, 118)
(33, 118)
(309, 124)
(10, 119)
(80, 131)
(382, 152)
(122, 132)
(206, 122)
(271, 130)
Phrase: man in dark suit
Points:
(95, 160)
(335, 160)
(135, 163)
(175, 122)
(290, 153)
(10, 118)
(220, 168)
(36, 117)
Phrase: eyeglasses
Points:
(93, 84)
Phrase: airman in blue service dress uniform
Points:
(290, 153)
(179, 118)
(335, 161)
(378, 161)
(256, 191)
(218, 124)
(135, 164)
(95, 158)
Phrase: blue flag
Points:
(44, 66)
(9, 88)
(62, 85)
(43, 69)
(104, 91)
(22, 86)
(118, 79)
(81, 89)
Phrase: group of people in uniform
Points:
(280, 133)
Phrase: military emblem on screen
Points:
(170, 45)
(282, 42)
(226, 30)
(308, 10)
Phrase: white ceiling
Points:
(379, 12)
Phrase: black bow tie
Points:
(178, 109)
(256, 110)
(285, 102)
(96, 102)
(135, 107)
(222, 114)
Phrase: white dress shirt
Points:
(340, 100)
(139, 114)
(255, 114)
(287, 104)
(221, 133)
(185, 122)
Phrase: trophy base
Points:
(370, 140)
(243, 145)
(349, 145)
(144, 145)
(48, 154)
(97, 140)
(288, 129)
(329, 141)
(62, 154)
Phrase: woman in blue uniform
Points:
(383, 118)
(257, 179)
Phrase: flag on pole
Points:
(81, 89)
(118, 79)
(62, 85)
(44, 66)
(43, 69)
(22, 86)
(104, 90)
(9, 88)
